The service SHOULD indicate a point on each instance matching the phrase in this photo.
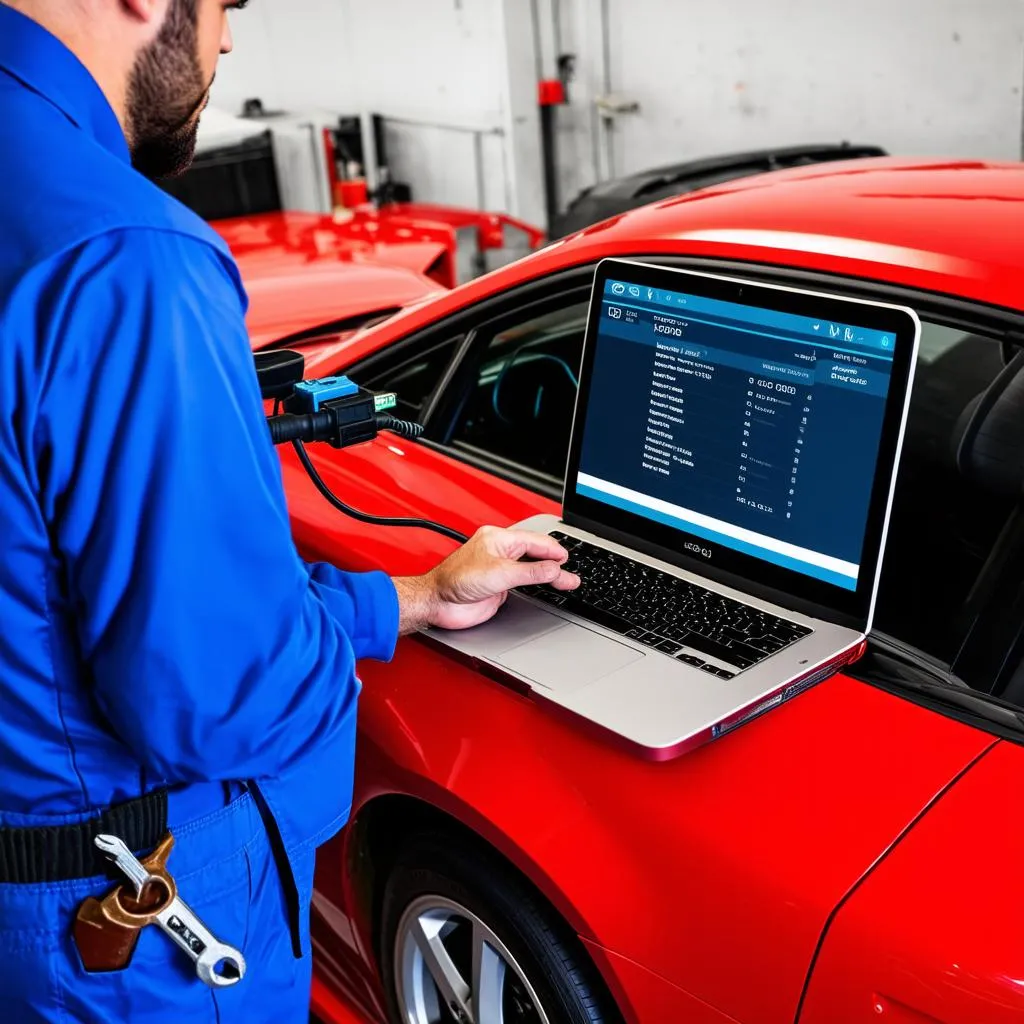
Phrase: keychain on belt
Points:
(106, 930)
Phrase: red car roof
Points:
(955, 228)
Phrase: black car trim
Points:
(460, 353)
(632, 186)
(1002, 323)
(613, 197)
(531, 480)
(968, 707)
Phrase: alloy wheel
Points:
(453, 969)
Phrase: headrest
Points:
(988, 441)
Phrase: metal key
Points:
(123, 858)
(178, 920)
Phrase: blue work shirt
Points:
(157, 626)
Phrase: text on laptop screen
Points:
(747, 427)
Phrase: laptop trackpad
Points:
(568, 658)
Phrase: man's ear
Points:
(149, 12)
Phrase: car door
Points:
(473, 466)
(437, 481)
(934, 934)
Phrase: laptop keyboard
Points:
(665, 612)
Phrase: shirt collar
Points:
(45, 65)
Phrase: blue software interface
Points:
(747, 427)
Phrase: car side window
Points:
(943, 526)
(412, 376)
(516, 397)
(942, 529)
(519, 407)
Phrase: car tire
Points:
(441, 902)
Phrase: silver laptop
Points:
(730, 476)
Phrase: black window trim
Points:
(462, 349)
(446, 410)
(1004, 325)
(406, 350)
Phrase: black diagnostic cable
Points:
(306, 426)
(365, 517)
(322, 426)
(336, 411)
(404, 428)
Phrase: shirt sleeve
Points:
(346, 594)
(213, 650)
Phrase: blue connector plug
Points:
(313, 393)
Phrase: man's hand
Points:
(471, 584)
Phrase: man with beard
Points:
(167, 662)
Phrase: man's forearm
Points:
(417, 602)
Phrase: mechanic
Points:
(167, 661)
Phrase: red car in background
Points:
(310, 276)
(852, 856)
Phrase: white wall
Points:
(920, 77)
(916, 76)
(435, 68)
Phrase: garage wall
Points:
(435, 68)
(918, 77)
(458, 79)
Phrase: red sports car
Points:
(852, 856)
(313, 276)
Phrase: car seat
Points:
(939, 534)
(988, 449)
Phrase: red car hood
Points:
(303, 271)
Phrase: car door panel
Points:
(716, 874)
(723, 864)
(717, 871)
(935, 933)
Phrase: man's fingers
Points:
(565, 581)
(498, 560)
(527, 544)
(542, 572)
(526, 573)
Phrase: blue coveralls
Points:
(157, 627)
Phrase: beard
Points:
(166, 95)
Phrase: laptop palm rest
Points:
(567, 657)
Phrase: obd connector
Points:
(333, 409)
(338, 411)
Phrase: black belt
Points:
(58, 853)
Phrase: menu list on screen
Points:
(748, 427)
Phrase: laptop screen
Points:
(745, 426)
